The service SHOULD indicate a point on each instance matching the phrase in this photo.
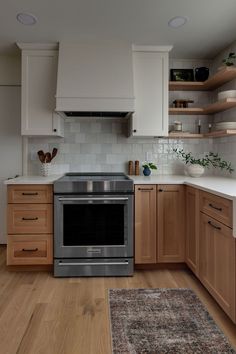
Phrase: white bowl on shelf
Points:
(224, 125)
(226, 94)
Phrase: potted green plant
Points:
(148, 167)
(196, 166)
(229, 60)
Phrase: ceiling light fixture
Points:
(177, 21)
(26, 18)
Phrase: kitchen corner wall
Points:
(102, 144)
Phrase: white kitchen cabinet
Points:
(150, 69)
(39, 77)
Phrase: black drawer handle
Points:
(30, 219)
(29, 249)
(214, 207)
(28, 193)
(215, 227)
(145, 189)
(160, 190)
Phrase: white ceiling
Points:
(211, 26)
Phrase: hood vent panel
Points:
(97, 114)
(95, 77)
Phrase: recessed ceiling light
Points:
(26, 18)
(177, 21)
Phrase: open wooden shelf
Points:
(221, 133)
(186, 111)
(212, 108)
(215, 134)
(222, 76)
(185, 135)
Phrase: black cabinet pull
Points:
(145, 189)
(55, 130)
(214, 207)
(160, 190)
(29, 249)
(135, 131)
(30, 193)
(30, 219)
(215, 227)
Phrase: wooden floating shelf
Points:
(185, 135)
(215, 134)
(221, 77)
(186, 111)
(215, 107)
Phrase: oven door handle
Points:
(92, 263)
(64, 199)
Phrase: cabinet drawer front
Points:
(30, 249)
(217, 207)
(30, 193)
(30, 218)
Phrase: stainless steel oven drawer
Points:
(93, 267)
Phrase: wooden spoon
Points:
(41, 156)
(54, 152)
(48, 157)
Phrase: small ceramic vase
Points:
(147, 171)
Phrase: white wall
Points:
(10, 138)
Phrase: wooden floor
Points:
(40, 314)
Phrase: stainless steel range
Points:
(93, 225)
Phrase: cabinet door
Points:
(170, 223)
(217, 262)
(145, 224)
(151, 94)
(39, 71)
(192, 225)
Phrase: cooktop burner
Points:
(93, 182)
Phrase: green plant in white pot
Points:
(196, 166)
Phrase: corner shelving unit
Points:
(221, 77)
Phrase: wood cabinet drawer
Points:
(35, 193)
(29, 249)
(217, 207)
(30, 218)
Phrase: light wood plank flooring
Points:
(40, 314)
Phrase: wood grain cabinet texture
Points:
(159, 224)
(145, 224)
(192, 228)
(30, 224)
(217, 250)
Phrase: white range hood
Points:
(95, 78)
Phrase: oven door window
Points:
(93, 224)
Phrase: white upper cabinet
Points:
(150, 69)
(39, 77)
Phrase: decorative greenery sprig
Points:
(211, 159)
(149, 165)
(229, 61)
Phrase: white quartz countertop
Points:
(222, 186)
(33, 179)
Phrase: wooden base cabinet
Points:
(30, 225)
(217, 248)
(159, 224)
(170, 223)
(145, 224)
(192, 228)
